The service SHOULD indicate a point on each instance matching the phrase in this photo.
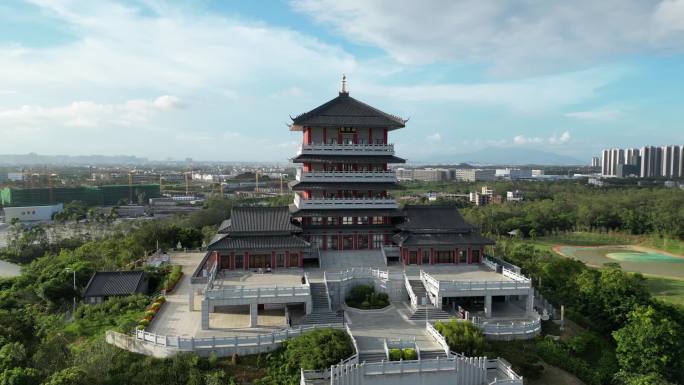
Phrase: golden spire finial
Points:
(344, 84)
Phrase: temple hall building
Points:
(342, 202)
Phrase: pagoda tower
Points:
(341, 189)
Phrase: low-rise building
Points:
(106, 284)
(514, 196)
(474, 174)
(32, 213)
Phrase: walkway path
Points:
(8, 270)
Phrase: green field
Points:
(668, 290)
(665, 273)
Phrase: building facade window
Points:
(378, 240)
(462, 256)
(348, 220)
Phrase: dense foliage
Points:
(365, 297)
(648, 335)
(462, 337)
(315, 350)
(638, 211)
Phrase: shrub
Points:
(160, 299)
(150, 313)
(154, 307)
(462, 337)
(409, 354)
(318, 349)
(172, 278)
(365, 297)
(143, 323)
(395, 354)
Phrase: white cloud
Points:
(553, 139)
(436, 137)
(563, 138)
(597, 115)
(511, 37)
(88, 114)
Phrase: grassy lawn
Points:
(581, 238)
(668, 290)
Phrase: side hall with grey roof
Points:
(105, 284)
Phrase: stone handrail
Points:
(412, 295)
(509, 328)
(502, 366)
(356, 272)
(191, 343)
(438, 337)
(238, 292)
(341, 147)
(435, 286)
(332, 201)
(355, 358)
(303, 175)
(514, 276)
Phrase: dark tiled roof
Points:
(224, 226)
(440, 239)
(115, 283)
(318, 186)
(262, 220)
(345, 213)
(257, 242)
(433, 218)
(345, 111)
(347, 159)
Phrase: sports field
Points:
(664, 271)
(631, 258)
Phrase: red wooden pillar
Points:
(470, 255)
(232, 260)
(246, 261)
(419, 256)
(455, 251)
(432, 256)
(384, 136)
(301, 260)
(273, 260)
(287, 259)
(370, 135)
(325, 135)
(481, 254)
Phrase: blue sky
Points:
(218, 80)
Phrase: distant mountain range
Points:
(507, 156)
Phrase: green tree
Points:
(20, 376)
(651, 343)
(12, 355)
(462, 337)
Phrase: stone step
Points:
(432, 314)
(372, 357)
(322, 317)
(432, 354)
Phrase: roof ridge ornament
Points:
(344, 85)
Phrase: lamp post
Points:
(73, 311)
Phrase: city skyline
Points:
(112, 80)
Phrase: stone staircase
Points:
(372, 356)
(320, 313)
(432, 312)
(432, 354)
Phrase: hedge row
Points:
(151, 312)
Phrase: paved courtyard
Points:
(176, 319)
(371, 328)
